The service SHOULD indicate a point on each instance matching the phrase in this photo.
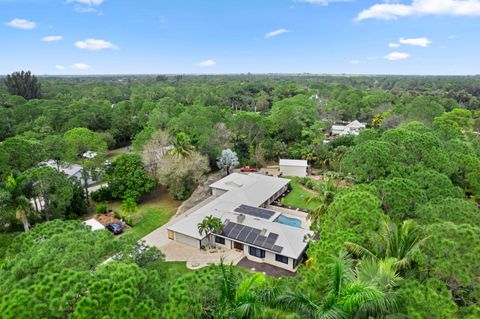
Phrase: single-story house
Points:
(352, 128)
(289, 167)
(72, 171)
(263, 235)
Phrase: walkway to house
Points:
(194, 257)
(265, 268)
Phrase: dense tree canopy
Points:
(401, 198)
(127, 178)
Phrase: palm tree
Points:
(248, 298)
(209, 225)
(324, 196)
(181, 145)
(363, 291)
(16, 199)
(397, 241)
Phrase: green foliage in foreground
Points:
(54, 271)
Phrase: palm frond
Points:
(359, 250)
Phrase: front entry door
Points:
(238, 246)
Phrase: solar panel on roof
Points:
(260, 240)
(227, 229)
(251, 237)
(255, 211)
(277, 249)
(273, 236)
(267, 246)
(236, 230)
(244, 233)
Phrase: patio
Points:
(265, 268)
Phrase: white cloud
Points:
(80, 66)
(52, 38)
(206, 63)
(95, 45)
(397, 56)
(22, 24)
(322, 2)
(87, 2)
(276, 33)
(393, 45)
(85, 10)
(391, 11)
(60, 67)
(419, 42)
(451, 37)
(354, 62)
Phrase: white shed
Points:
(289, 167)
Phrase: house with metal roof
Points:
(72, 171)
(242, 203)
(352, 128)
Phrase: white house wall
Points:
(187, 240)
(269, 259)
(299, 171)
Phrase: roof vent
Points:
(264, 232)
(240, 218)
(226, 221)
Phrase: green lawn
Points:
(154, 210)
(174, 269)
(297, 197)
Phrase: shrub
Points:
(310, 184)
(101, 208)
(101, 195)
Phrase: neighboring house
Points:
(264, 235)
(289, 167)
(94, 224)
(352, 128)
(89, 155)
(72, 171)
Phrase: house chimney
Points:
(264, 232)
(240, 218)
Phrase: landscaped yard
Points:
(154, 210)
(297, 197)
(174, 269)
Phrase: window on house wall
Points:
(281, 258)
(256, 252)
(220, 240)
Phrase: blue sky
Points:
(239, 36)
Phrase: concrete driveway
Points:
(195, 258)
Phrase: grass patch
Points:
(297, 197)
(174, 269)
(154, 210)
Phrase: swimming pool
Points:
(294, 222)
